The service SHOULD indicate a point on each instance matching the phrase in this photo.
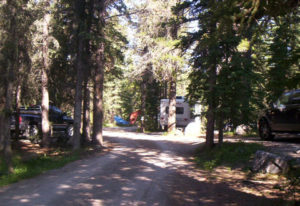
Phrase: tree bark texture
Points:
(98, 97)
(78, 99)
(86, 127)
(143, 103)
(6, 110)
(211, 108)
(165, 95)
(172, 105)
(99, 78)
(17, 110)
(45, 92)
(1, 129)
(220, 127)
(6, 122)
(80, 17)
(173, 78)
(211, 84)
(86, 114)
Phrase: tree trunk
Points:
(86, 127)
(211, 108)
(78, 98)
(210, 127)
(1, 129)
(98, 97)
(45, 92)
(86, 114)
(80, 17)
(99, 79)
(211, 83)
(6, 123)
(143, 105)
(173, 79)
(165, 95)
(172, 106)
(6, 112)
(220, 126)
(17, 110)
(7, 115)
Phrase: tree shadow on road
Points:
(142, 172)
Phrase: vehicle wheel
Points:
(64, 139)
(25, 133)
(33, 133)
(264, 129)
(70, 131)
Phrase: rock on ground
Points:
(242, 129)
(270, 163)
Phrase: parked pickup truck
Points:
(30, 121)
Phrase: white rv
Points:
(183, 112)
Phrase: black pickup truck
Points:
(30, 121)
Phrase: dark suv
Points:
(283, 116)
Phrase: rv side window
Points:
(179, 110)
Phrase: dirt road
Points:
(141, 169)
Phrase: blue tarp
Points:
(120, 121)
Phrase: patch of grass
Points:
(230, 134)
(165, 133)
(35, 166)
(109, 125)
(231, 155)
(251, 133)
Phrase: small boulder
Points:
(242, 129)
(270, 163)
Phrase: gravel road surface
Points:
(140, 169)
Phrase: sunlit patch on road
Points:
(141, 169)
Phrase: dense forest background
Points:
(97, 59)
